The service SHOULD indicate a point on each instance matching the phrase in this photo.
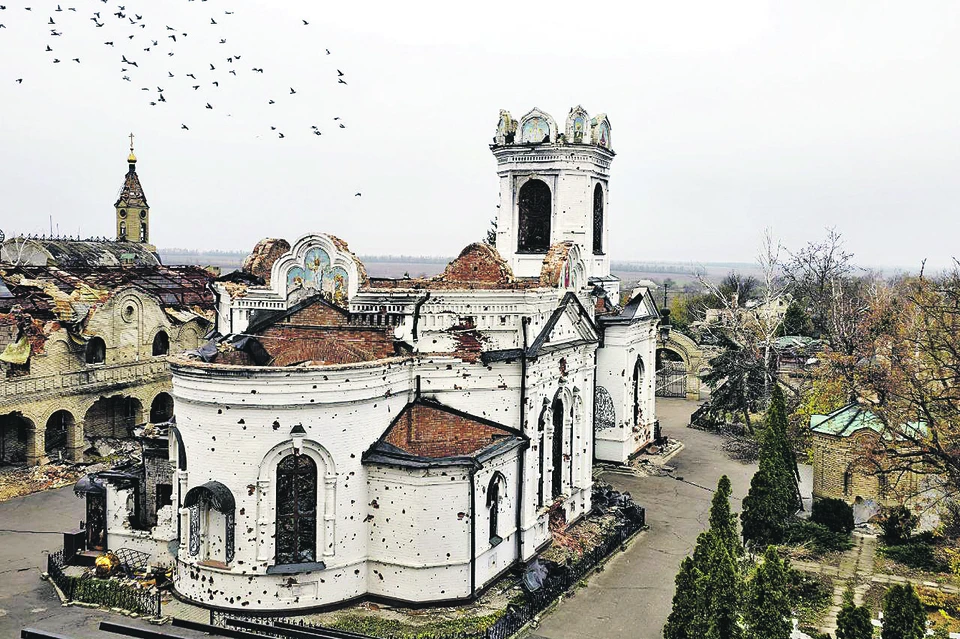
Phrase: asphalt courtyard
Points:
(631, 597)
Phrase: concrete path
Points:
(30, 527)
(631, 597)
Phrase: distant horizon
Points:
(630, 264)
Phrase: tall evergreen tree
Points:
(853, 621)
(774, 494)
(682, 622)
(719, 611)
(723, 524)
(782, 447)
(767, 609)
(764, 513)
(903, 614)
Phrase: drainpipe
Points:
(416, 313)
(524, 322)
(473, 533)
(216, 306)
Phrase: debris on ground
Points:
(99, 454)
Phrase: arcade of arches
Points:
(61, 427)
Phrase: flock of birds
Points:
(132, 37)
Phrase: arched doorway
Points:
(113, 417)
(671, 374)
(13, 438)
(161, 410)
(557, 455)
(535, 202)
(56, 433)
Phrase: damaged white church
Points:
(346, 436)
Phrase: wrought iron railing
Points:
(103, 592)
(560, 579)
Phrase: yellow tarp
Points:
(16, 353)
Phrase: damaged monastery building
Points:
(85, 329)
(345, 436)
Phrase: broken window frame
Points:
(296, 510)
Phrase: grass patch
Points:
(395, 629)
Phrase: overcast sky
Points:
(727, 117)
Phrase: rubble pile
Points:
(99, 454)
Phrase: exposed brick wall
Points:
(834, 456)
(331, 345)
(431, 432)
(317, 314)
(265, 253)
(477, 267)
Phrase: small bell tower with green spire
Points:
(133, 212)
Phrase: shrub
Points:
(915, 555)
(898, 524)
(835, 514)
(820, 538)
(931, 598)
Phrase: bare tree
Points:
(814, 272)
(747, 330)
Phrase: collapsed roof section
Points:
(67, 295)
(68, 254)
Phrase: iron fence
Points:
(103, 592)
(560, 579)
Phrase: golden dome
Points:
(131, 158)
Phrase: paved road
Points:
(26, 600)
(631, 597)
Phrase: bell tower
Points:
(553, 188)
(132, 210)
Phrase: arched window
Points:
(143, 233)
(535, 208)
(557, 475)
(493, 503)
(637, 390)
(296, 510)
(161, 344)
(96, 351)
(598, 220)
(123, 230)
(212, 522)
(541, 433)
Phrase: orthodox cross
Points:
(131, 142)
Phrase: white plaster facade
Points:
(515, 346)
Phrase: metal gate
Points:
(672, 380)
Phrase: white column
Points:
(264, 542)
(184, 514)
(329, 515)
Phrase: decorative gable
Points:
(569, 324)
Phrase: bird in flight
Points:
(356, 195)
(184, 127)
